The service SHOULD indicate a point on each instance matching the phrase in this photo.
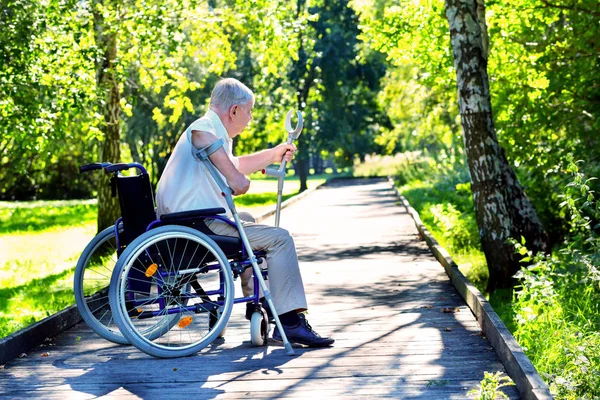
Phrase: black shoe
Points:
(302, 333)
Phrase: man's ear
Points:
(233, 110)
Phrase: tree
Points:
(44, 92)
(109, 96)
(349, 115)
(160, 36)
(502, 209)
(544, 76)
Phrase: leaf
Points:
(449, 310)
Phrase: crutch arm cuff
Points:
(205, 152)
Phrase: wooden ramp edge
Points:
(517, 364)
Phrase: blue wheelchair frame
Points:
(138, 218)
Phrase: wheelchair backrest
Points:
(137, 205)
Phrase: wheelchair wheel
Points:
(90, 285)
(166, 288)
(259, 328)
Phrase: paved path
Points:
(372, 284)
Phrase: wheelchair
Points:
(165, 285)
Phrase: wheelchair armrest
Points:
(206, 212)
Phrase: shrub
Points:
(557, 311)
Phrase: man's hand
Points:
(285, 151)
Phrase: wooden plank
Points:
(334, 388)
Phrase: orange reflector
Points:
(184, 322)
(139, 310)
(151, 270)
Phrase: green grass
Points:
(37, 267)
(41, 241)
(40, 215)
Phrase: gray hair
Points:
(229, 92)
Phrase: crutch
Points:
(280, 173)
(227, 193)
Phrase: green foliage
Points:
(557, 315)
(388, 165)
(490, 386)
(543, 68)
(418, 91)
(454, 225)
(170, 54)
(414, 167)
(543, 74)
(45, 98)
(441, 194)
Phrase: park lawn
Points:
(41, 241)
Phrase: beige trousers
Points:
(285, 281)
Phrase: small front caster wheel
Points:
(259, 328)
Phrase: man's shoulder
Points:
(203, 124)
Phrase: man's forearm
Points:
(255, 162)
(236, 180)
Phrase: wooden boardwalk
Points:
(372, 284)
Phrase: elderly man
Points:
(187, 185)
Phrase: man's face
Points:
(241, 115)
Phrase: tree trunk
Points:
(109, 96)
(331, 161)
(303, 77)
(502, 209)
(301, 164)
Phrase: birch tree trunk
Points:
(109, 98)
(502, 209)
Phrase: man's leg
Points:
(286, 285)
(246, 276)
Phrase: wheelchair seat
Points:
(230, 245)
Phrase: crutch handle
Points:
(274, 172)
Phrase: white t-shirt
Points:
(185, 183)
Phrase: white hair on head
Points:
(229, 92)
